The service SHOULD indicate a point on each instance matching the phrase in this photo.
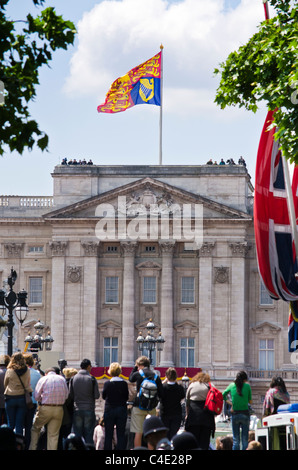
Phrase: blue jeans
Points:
(83, 424)
(115, 416)
(16, 409)
(240, 421)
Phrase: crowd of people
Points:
(62, 414)
(74, 161)
(230, 161)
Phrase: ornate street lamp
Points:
(12, 301)
(185, 381)
(150, 343)
(37, 342)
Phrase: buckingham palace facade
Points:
(116, 246)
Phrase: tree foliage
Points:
(25, 46)
(266, 70)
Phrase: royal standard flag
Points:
(139, 86)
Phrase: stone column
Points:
(89, 319)
(128, 311)
(167, 311)
(238, 326)
(205, 306)
(58, 294)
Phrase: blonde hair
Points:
(69, 372)
(114, 369)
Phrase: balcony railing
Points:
(268, 374)
(26, 201)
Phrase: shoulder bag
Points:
(28, 398)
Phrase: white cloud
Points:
(197, 34)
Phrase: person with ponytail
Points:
(238, 395)
(275, 396)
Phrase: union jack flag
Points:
(274, 242)
(276, 252)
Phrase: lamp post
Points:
(38, 342)
(150, 343)
(12, 301)
(185, 381)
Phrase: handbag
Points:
(28, 398)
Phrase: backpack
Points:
(147, 395)
(214, 400)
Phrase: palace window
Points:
(35, 249)
(35, 290)
(188, 290)
(110, 350)
(266, 354)
(265, 298)
(149, 290)
(112, 290)
(187, 352)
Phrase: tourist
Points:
(240, 393)
(199, 421)
(65, 430)
(16, 383)
(84, 391)
(99, 436)
(138, 415)
(34, 378)
(170, 404)
(51, 392)
(276, 395)
(115, 394)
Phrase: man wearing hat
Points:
(153, 431)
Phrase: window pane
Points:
(187, 352)
(110, 350)
(187, 290)
(191, 358)
(35, 288)
(149, 291)
(112, 289)
(266, 354)
(183, 361)
(265, 298)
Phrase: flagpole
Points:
(160, 110)
(290, 200)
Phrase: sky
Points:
(113, 37)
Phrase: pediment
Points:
(146, 196)
(266, 328)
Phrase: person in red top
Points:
(51, 392)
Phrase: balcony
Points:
(25, 206)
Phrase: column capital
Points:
(90, 247)
(128, 248)
(239, 249)
(206, 249)
(167, 246)
(58, 248)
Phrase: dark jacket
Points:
(170, 404)
(115, 393)
(84, 390)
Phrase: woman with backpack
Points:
(199, 421)
(240, 393)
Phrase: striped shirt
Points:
(51, 389)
